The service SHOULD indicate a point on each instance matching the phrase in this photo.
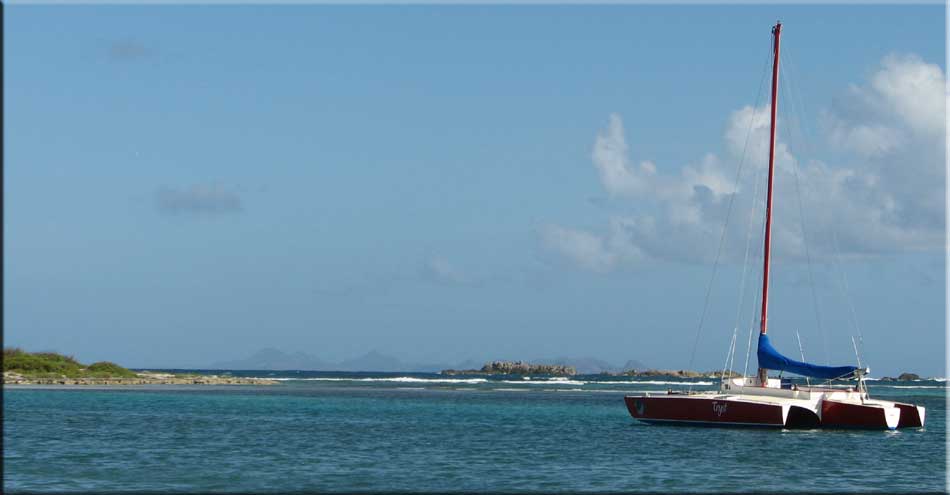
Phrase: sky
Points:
(189, 184)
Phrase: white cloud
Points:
(884, 194)
(867, 140)
(610, 156)
(896, 125)
(903, 105)
(911, 89)
(621, 179)
(585, 249)
(590, 251)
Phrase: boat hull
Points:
(911, 416)
(840, 414)
(710, 411)
(835, 410)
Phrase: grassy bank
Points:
(50, 368)
(53, 365)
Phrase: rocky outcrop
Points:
(903, 377)
(523, 368)
(144, 378)
(664, 373)
(720, 374)
(906, 377)
(516, 368)
(679, 374)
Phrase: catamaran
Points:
(773, 402)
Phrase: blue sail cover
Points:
(769, 358)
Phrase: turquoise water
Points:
(420, 432)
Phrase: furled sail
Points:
(769, 358)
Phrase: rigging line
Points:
(836, 260)
(755, 303)
(799, 102)
(748, 351)
(732, 362)
(856, 355)
(732, 348)
(801, 216)
(755, 191)
(843, 281)
(722, 238)
(756, 259)
(801, 115)
(801, 350)
(755, 300)
(846, 289)
(745, 264)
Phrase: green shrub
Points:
(40, 362)
(106, 368)
(53, 364)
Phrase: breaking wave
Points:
(909, 386)
(396, 379)
(651, 382)
(524, 381)
(548, 383)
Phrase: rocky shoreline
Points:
(141, 378)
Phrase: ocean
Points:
(360, 432)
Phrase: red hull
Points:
(739, 411)
(695, 410)
(847, 415)
(911, 416)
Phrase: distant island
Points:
(681, 374)
(516, 368)
(275, 360)
(903, 377)
(50, 368)
(525, 368)
(272, 359)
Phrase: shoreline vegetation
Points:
(50, 368)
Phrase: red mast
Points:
(776, 34)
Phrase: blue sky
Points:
(188, 184)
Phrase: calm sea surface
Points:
(423, 432)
